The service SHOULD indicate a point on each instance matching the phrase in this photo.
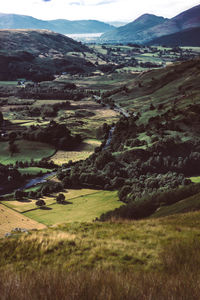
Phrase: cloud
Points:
(106, 2)
(75, 3)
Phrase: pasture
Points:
(82, 208)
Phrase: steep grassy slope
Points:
(121, 245)
(149, 259)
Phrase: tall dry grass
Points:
(178, 278)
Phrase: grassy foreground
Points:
(148, 259)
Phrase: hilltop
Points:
(39, 53)
(151, 27)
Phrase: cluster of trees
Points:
(43, 163)
(9, 177)
(48, 90)
(55, 134)
(104, 170)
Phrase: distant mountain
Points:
(39, 54)
(187, 37)
(186, 20)
(145, 29)
(132, 31)
(82, 26)
(13, 21)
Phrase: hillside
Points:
(131, 33)
(39, 53)
(154, 148)
(187, 37)
(13, 21)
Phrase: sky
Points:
(103, 10)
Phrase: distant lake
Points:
(86, 37)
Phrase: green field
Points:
(33, 170)
(28, 204)
(27, 151)
(83, 208)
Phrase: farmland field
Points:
(10, 219)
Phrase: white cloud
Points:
(105, 10)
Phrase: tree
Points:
(60, 198)
(40, 203)
(1, 118)
(13, 148)
(19, 195)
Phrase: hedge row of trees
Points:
(44, 111)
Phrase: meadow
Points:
(28, 150)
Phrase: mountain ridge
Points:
(15, 21)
